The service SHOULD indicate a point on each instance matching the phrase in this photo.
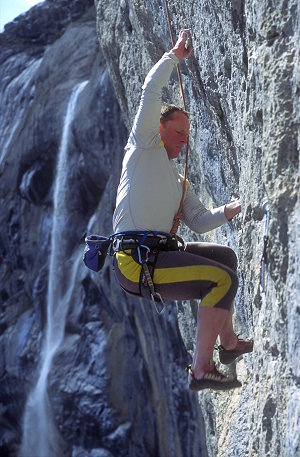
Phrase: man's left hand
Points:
(232, 209)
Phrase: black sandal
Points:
(227, 356)
(211, 380)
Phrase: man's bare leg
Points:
(234, 347)
(209, 323)
(228, 338)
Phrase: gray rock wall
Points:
(242, 86)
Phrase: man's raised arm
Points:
(146, 124)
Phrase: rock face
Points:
(85, 370)
(242, 87)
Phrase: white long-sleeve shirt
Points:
(150, 188)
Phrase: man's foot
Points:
(211, 380)
(227, 356)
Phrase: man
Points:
(148, 198)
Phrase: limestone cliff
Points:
(242, 87)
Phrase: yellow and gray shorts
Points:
(203, 271)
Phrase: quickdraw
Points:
(155, 296)
(263, 259)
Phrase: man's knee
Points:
(233, 284)
(231, 258)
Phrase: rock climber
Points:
(148, 198)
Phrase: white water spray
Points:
(40, 436)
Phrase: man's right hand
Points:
(232, 209)
(180, 50)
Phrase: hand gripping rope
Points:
(178, 215)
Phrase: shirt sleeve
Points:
(144, 132)
(198, 218)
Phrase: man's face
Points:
(174, 133)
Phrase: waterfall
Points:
(40, 436)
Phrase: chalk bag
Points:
(95, 251)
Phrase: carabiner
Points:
(139, 253)
(159, 298)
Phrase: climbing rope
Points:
(178, 215)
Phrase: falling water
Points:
(40, 436)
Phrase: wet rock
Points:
(241, 87)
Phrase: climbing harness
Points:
(144, 246)
(178, 215)
(263, 259)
